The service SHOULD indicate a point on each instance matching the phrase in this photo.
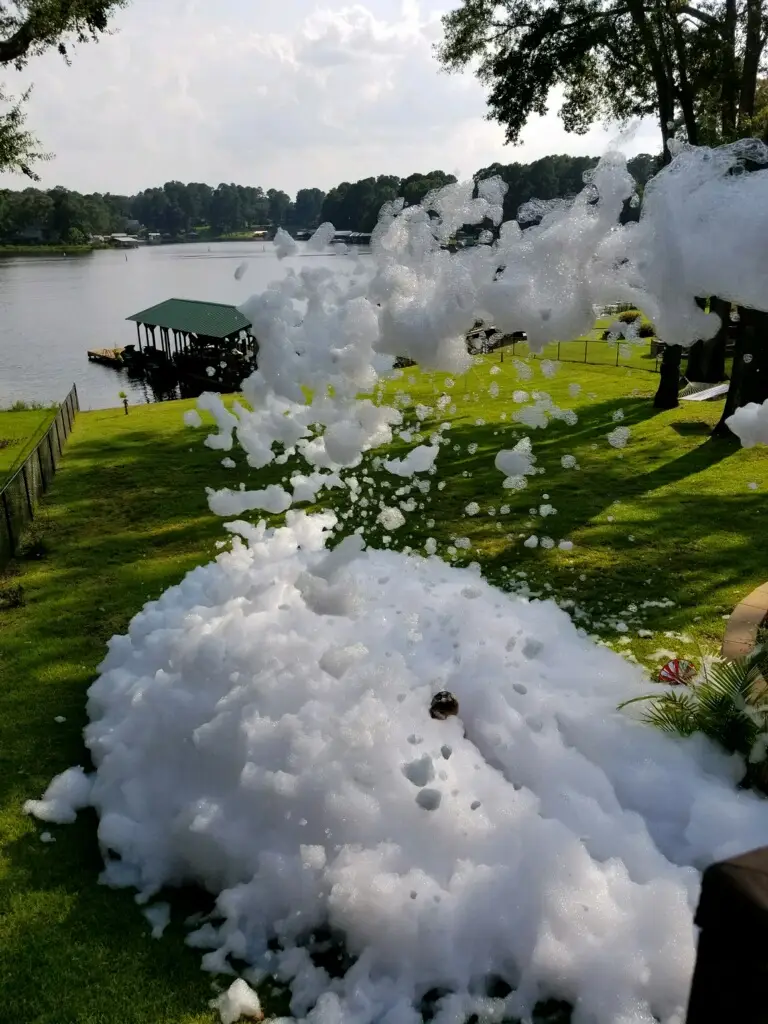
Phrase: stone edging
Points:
(745, 620)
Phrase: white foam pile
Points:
(263, 729)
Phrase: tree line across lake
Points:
(177, 210)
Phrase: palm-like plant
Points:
(730, 706)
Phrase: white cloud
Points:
(285, 95)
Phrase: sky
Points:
(284, 94)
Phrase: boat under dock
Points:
(106, 356)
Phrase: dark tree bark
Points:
(749, 378)
(716, 364)
(669, 378)
(730, 88)
(685, 90)
(665, 99)
(751, 64)
(706, 359)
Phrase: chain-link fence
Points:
(20, 494)
(596, 352)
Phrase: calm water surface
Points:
(53, 309)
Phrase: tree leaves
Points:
(694, 67)
(524, 48)
(29, 28)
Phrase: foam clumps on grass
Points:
(281, 754)
(66, 795)
(159, 917)
(619, 437)
(516, 464)
(239, 1002)
(192, 418)
(418, 460)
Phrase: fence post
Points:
(586, 343)
(558, 351)
(67, 413)
(617, 352)
(58, 435)
(8, 523)
(26, 488)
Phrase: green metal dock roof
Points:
(214, 319)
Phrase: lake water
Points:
(54, 308)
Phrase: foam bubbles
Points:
(619, 437)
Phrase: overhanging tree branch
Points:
(39, 25)
(707, 19)
(28, 28)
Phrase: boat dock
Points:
(106, 356)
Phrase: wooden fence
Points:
(21, 493)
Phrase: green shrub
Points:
(730, 706)
(629, 316)
(21, 406)
(643, 331)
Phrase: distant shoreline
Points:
(25, 249)
(48, 250)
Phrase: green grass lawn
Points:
(19, 433)
(672, 515)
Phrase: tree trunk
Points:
(706, 359)
(669, 18)
(664, 87)
(749, 378)
(728, 95)
(753, 46)
(716, 366)
(669, 378)
(685, 91)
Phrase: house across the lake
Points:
(124, 241)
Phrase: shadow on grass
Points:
(692, 428)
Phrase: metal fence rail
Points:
(21, 493)
(595, 352)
